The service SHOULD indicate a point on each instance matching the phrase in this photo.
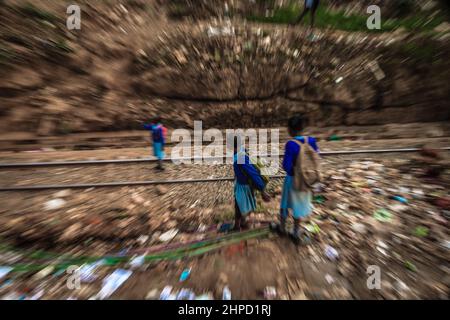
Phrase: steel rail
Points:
(183, 159)
(118, 184)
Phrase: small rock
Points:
(270, 293)
(359, 227)
(161, 190)
(62, 194)
(169, 235)
(223, 278)
(54, 204)
(171, 224)
(329, 278)
(43, 273)
(71, 232)
(137, 199)
(331, 253)
(142, 239)
(443, 27)
(152, 295)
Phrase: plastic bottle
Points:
(226, 293)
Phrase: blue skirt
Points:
(158, 150)
(245, 198)
(299, 202)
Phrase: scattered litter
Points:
(4, 271)
(137, 261)
(443, 203)
(185, 274)
(331, 253)
(404, 190)
(359, 227)
(399, 199)
(86, 271)
(382, 251)
(445, 244)
(185, 294)
(319, 199)
(401, 287)
(338, 80)
(398, 207)
(376, 70)
(165, 293)
(54, 204)
(205, 296)
(6, 283)
(217, 31)
(312, 228)
(37, 295)
(123, 252)
(169, 235)
(270, 293)
(201, 228)
(226, 295)
(335, 137)
(14, 296)
(152, 295)
(383, 215)
(382, 244)
(43, 273)
(421, 231)
(410, 266)
(329, 279)
(378, 191)
(143, 239)
(318, 188)
(112, 282)
(62, 194)
(225, 227)
(446, 214)
(382, 247)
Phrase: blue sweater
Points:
(291, 151)
(156, 131)
(245, 171)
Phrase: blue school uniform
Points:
(158, 139)
(299, 202)
(310, 4)
(244, 171)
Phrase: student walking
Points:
(158, 132)
(248, 179)
(310, 6)
(301, 163)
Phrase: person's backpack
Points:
(164, 131)
(306, 167)
(157, 133)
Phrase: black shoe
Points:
(276, 227)
(300, 238)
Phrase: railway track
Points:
(160, 181)
(144, 160)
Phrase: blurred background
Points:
(84, 95)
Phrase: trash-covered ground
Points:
(389, 211)
(380, 224)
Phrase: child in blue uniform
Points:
(298, 202)
(158, 137)
(309, 5)
(247, 178)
